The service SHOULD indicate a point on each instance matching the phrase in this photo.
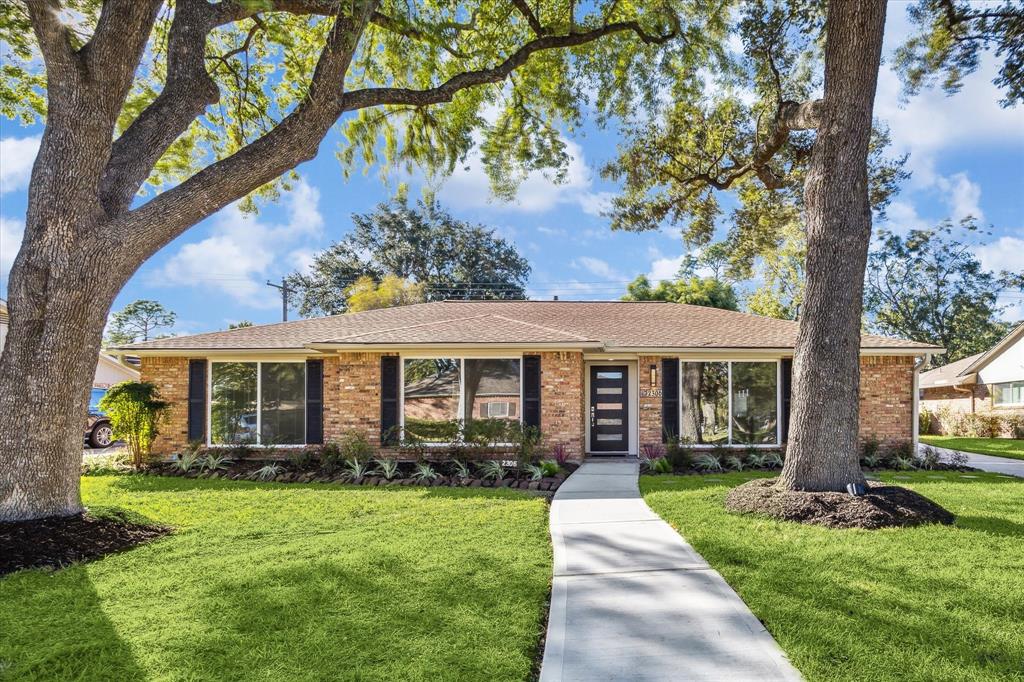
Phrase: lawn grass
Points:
(926, 603)
(291, 582)
(1000, 447)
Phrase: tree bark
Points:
(823, 452)
(690, 425)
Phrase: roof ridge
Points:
(545, 328)
(408, 326)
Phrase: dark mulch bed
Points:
(882, 506)
(57, 542)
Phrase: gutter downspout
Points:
(956, 387)
(916, 426)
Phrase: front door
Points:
(609, 409)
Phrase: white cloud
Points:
(243, 249)
(11, 230)
(962, 195)
(16, 157)
(597, 267)
(902, 217)
(1005, 253)
(665, 268)
(469, 187)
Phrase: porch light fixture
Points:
(654, 376)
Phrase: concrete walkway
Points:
(997, 465)
(632, 601)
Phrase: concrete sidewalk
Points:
(997, 465)
(632, 601)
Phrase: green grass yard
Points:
(927, 603)
(1000, 447)
(291, 582)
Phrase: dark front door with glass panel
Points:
(609, 409)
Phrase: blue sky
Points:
(966, 155)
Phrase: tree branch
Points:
(186, 94)
(294, 140)
(54, 39)
(369, 97)
(530, 17)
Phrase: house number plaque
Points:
(650, 392)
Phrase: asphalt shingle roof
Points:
(610, 324)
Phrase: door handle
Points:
(593, 415)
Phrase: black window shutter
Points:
(314, 401)
(787, 391)
(669, 398)
(389, 389)
(197, 400)
(531, 390)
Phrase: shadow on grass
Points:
(54, 627)
(991, 524)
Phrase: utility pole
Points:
(285, 290)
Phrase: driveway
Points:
(631, 600)
(997, 465)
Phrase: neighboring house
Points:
(987, 383)
(598, 377)
(109, 370)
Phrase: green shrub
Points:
(870, 452)
(901, 455)
(387, 467)
(213, 461)
(773, 460)
(661, 465)
(269, 471)
(929, 457)
(355, 468)
(355, 445)
(925, 421)
(1014, 425)
(460, 469)
(549, 467)
(424, 472)
(534, 472)
(526, 441)
(756, 459)
(187, 461)
(734, 463)
(331, 457)
(302, 458)
(135, 410)
(679, 454)
(491, 469)
(707, 462)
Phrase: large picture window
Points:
(755, 403)
(705, 402)
(438, 393)
(1009, 393)
(257, 403)
(724, 403)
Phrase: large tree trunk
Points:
(59, 294)
(690, 425)
(823, 436)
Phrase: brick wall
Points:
(649, 409)
(887, 397)
(171, 378)
(562, 400)
(352, 395)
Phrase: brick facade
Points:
(352, 395)
(561, 400)
(649, 408)
(352, 398)
(887, 397)
(171, 378)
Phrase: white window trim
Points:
(1003, 383)
(778, 404)
(402, 357)
(210, 362)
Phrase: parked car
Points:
(98, 432)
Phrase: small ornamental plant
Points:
(135, 410)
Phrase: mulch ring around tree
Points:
(57, 542)
(882, 505)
